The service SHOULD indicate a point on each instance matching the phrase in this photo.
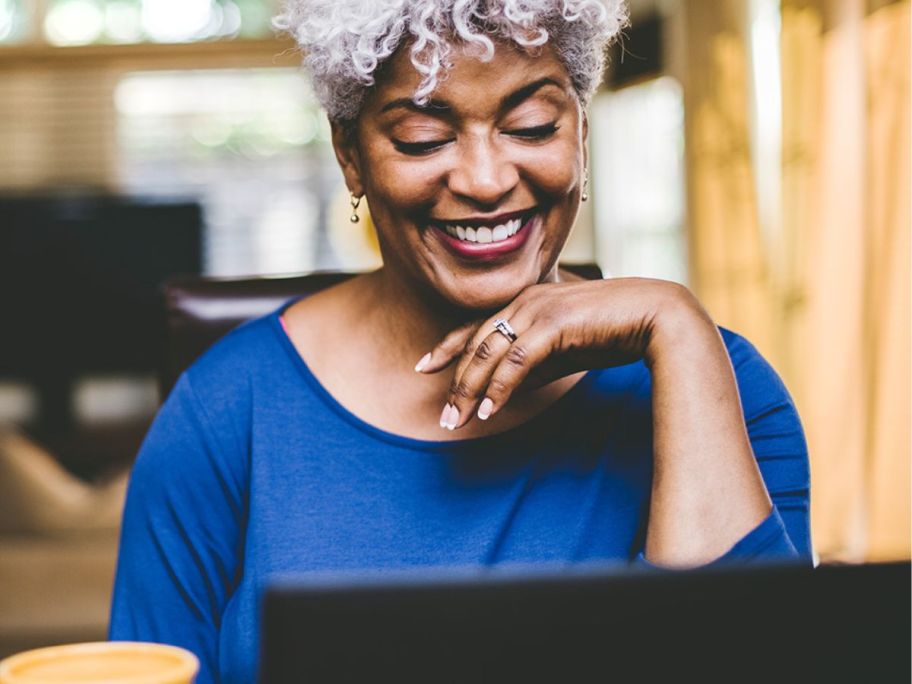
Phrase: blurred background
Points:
(756, 150)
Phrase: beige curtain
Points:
(824, 292)
(729, 268)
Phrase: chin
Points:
(490, 290)
(485, 304)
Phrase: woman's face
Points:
(475, 194)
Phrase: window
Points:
(638, 180)
(252, 146)
(84, 22)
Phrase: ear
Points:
(345, 145)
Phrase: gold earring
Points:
(585, 194)
(355, 202)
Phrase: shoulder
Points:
(740, 350)
(772, 420)
(238, 354)
(197, 445)
(220, 381)
(209, 408)
(762, 389)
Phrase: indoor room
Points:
(724, 208)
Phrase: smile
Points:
(484, 234)
(487, 238)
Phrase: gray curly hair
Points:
(345, 41)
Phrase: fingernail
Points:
(453, 418)
(484, 410)
(443, 416)
(423, 362)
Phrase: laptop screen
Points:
(781, 623)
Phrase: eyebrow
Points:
(443, 107)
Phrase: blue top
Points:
(252, 468)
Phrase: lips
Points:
(487, 239)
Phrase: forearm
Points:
(707, 491)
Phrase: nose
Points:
(483, 176)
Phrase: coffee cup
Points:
(104, 662)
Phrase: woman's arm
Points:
(709, 501)
(707, 491)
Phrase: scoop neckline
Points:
(414, 443)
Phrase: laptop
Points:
(783, 623)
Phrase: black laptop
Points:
(591, 624)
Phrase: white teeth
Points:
(485, 234)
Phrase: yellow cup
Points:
(103, 662)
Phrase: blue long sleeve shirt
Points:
(252, 469)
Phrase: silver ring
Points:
(502, 326)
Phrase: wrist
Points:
(681, 327)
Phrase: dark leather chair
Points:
(201, 310)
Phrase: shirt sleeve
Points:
(181, 537)
(779, 445)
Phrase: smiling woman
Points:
(550, 418)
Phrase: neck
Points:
(409, 318)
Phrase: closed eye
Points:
(418, 148)
(534, 132)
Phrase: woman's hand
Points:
(561, 328)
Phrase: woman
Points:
(550, 418)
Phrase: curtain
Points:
(728, 266)
(823, 289)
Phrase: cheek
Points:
(405, 187)
(554, 172)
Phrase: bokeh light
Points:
(74, 22)
(8, 12)
(256, 17)
(175, 21)
(123, 23)
(81, 22)
(231, 19)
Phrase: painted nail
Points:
(453, 418)
(423, 362)
(484, 410)
(444, 415)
